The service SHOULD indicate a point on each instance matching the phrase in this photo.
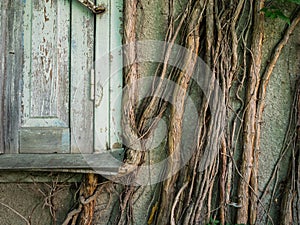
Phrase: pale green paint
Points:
(58, 112)
(108, 81)
(82, 54)
(45, 96)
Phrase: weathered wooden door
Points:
(48, 76)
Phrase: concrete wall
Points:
(36, 198)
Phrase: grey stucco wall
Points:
(36, 198)
(276, 119)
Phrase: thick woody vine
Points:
(230, 40)
(229, 47)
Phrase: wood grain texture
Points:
(11, 56)
(108, 72)
(102, 163)
(47, 51)
(116, 74)
(44, 140)
(82, 53)
(46, 69)
(49, 69)
(3, 32)
(102, 70)
(45, 96)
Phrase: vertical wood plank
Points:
(3, 33)
(63, 61)
(15, 63)
(11, 70)
(102, 103)
(116, 79)
(108, 77)
(102, 72)
(27, 61)
(82, 53)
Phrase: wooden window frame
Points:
(101, 160)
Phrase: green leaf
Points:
(292, 1)
(283, 17)
(265, 9)
(213, 222)
(295, 1)
(273, 13)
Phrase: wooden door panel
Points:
(46, 62)
(45, 98)
(37, 140)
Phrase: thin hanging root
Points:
(223, 181)
(255, 110)
(88, 190)
(150, 110)
(176, 202)
(216, 38)
(176, 117)
(131, 76)
(290, 209)
(261, 103)
(250, 117)
(270, 67)
(126, 205)
(209, 32)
